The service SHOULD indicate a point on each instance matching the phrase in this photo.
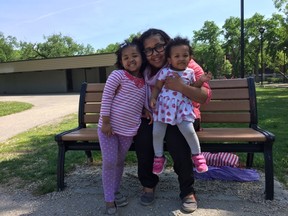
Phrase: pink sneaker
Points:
(159, 165)
(200, 163)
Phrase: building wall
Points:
(56, 75)
(33, 82)
(90, 75)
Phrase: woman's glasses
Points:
(158, 48)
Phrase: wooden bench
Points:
(233, 102)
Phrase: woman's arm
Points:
(155, 92)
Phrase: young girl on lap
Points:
(172, 107)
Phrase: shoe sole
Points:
(187, 209)
(122, 204)
(146, 204)
(202, 171)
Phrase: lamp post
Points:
(284, 65)
(261, 30)
(242, 44)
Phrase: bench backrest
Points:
(233, 101)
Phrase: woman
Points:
(154, 42)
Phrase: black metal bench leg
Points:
(249, 161)
(60, 167)
(89, 156)
(269, 175)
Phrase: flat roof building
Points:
(54, 75)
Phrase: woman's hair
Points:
(152, 32)
(178, 41)
(136, 43)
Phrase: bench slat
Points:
(225, 117)
(93, 97)
(84, 134)
(231, 83)
(226, 105)
(205, 135)
(92, 108)
(226, 94)
(230, 135)
(95, 87)
(91, 119)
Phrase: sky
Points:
(103, 22)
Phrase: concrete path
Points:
(47, 108)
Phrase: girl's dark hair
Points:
(178, 41)
(136, 43)
(152, 32)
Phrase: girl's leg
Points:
(124, 145)
(191, 137)
(159, 130)
(187, 129)
(109, 151)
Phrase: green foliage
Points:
(274, 80)
(112, 48)
(211, 55)
(10, 107)
(7, 47)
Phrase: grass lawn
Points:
(10, 107)
(31, 157)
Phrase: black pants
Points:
(178, 149)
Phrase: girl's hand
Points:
(107, 129)
(148, 115)
(206, 77)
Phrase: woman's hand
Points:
(174, 83)
(195, 94)
(148, 115)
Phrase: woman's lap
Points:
(178, 149)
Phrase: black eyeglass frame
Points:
(158, 48)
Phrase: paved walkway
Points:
(47, 108)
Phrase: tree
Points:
(281, 5)
(112, 48)
(231, 45)
(56, 45)
(7, 46)
(209, 51)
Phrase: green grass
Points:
(273, 116)
(31, 157)
(10, 107)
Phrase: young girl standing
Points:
(172, 107)
(120, 117)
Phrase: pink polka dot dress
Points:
(173, 107)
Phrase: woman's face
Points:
(154, 48)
